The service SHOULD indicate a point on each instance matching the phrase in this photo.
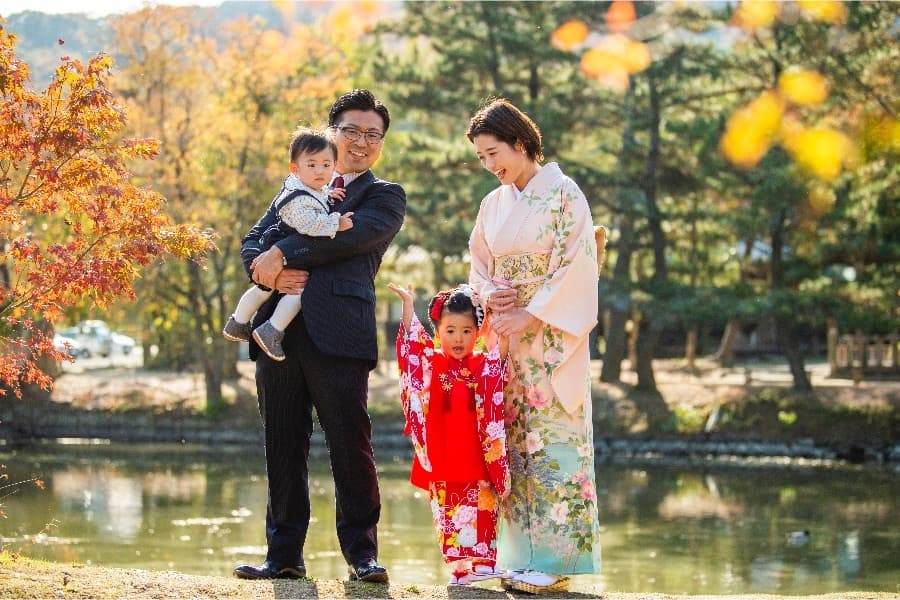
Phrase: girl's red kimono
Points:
(455, 419)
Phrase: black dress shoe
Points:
(270, 570)
(368, 570)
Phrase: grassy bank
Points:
(24, 578)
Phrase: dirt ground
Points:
(25, 578)
(754, 396)
(109, 385)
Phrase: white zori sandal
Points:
(535, 582)
(484, 572)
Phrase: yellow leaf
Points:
(569, 35)
(753, 14)
(829, 11)
(805, 88)
(882, 133)
(821, 199)
(352, 19)
(821, 150)
(341, 21)
(614, 59)
(751, 130)
(743, 145)
(620, 15)
(606, 68)
(637, 56)
(766, 111)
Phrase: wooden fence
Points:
(864, 356)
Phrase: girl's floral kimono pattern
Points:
(541, 242)
(455, 418)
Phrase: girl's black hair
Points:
(458, 303)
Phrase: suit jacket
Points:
(339, 298)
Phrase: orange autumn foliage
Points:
(73, 227)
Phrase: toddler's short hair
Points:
(309, 141)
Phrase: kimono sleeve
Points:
(568, 300)
(414, 351)
(491, 419)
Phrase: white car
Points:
(69, 345)
(122, 343)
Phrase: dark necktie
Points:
(338, 183)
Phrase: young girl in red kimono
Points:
(453, 401)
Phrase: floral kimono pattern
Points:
(455, 418)
(541, 242)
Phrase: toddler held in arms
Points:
(303, 206)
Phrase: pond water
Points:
(696, 529)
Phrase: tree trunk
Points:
(611, 370)
(229, 368)
(634, 337)
(650, 332)
(787, 335)
(619, 302)
(593, 338)
(690, 348)
(790, 347)
(212, 371)
(650, 328)
(725, 354)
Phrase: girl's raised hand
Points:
(405, 294)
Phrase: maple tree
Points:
(74, 227)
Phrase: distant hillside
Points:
(39, 33)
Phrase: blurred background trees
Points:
(743, 154)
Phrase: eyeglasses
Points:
(373, 138)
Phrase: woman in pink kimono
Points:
(534, 264)
(453, 401)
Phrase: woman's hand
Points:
(501, 300)
(512, 321)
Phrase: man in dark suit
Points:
(329, 350)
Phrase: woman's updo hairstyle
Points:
(507, 123)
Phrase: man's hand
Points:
(291, 281)
(267, 266)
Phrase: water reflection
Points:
(679, 530)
